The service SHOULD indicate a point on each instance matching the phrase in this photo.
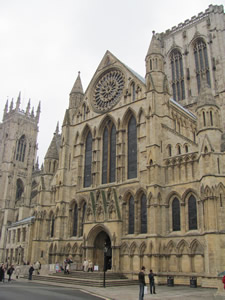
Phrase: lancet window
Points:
(176, 214)
(88, 160)
(132, 148)
(21, 149)
(178, 87)
(109, 153)
(201, 62)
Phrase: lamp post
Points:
(105, 266)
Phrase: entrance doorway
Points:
(102, 250)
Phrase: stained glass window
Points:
(192, 213)
(21, 149)
(75, 216)
(176, 214)
(201, 62)
(177, 75)
(131, 216)
(88, 161)
(109, 154)
(143, 214)
(132, 148)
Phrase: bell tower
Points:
(18, 148)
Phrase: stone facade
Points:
(137, 174)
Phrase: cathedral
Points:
(136, 175)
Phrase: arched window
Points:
(88, 160)
(21, 149)
(201, 62)
(177, 75)
(75, 217)
(211, 118)
(83, 218)
(132, 148)
(52, 226)
(178, 150)
(143, 214)
(131, 216)
(176, 214)
(19, 189)
(186, 148)
(133, 91)
(204, 120)
(109, 154)
(192, 213)
(169, 150)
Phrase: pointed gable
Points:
(53, 150)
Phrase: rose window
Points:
(108, 90)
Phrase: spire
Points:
(38, 111)
(77, 87)
(155, 45)
(11, 105)
(77, 93)
(18, 101)
(28, 108)
(32, 112)
(37, 164)
(57, 128)
(5, 109)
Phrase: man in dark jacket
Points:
(152, 282)
(10, 272)
(31, 270)
(141, 278)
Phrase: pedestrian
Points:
(31, 270)
(152, 282)
(141, 278)
(223, 281)
(2, 273)
(10, 272)
(90, 266)
(85, 265)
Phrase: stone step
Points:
(91, 275)
(84, 282)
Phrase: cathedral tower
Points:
(18, 146)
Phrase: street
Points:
(28, 290)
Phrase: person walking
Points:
(141, 279)
(10, 272)
(2, 273)
(152, 282)
(31, 270)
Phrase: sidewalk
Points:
(132, 292)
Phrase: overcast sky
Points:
(44, 43)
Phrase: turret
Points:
(76, 94)
(155, 76)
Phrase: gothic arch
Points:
(126, 117)
(85, 132)
(171, 196)
(95, 231)
(141, 115)
(196, 247)
(124, 248)
(103, 123)
(133, 248)
(171, 248)
(142, 248)
(183, 247)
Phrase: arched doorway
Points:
(102, 248)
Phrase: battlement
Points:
(181, 26)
